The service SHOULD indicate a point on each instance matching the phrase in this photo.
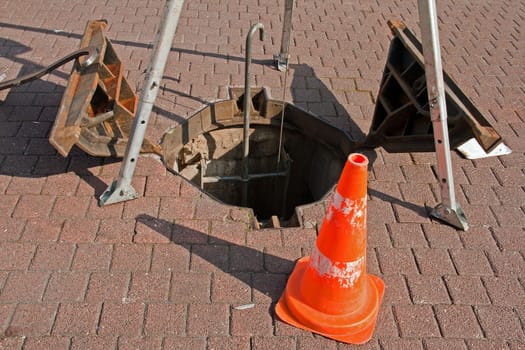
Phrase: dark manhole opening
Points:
(208, 151)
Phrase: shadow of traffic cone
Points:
(329, 292)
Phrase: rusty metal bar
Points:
(121, 189)
(89, 51)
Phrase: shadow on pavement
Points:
(263, 272)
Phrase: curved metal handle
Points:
(247, 97)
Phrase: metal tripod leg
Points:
(281, 59)
(448, 210)
(121, 189)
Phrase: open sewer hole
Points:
(208, 151)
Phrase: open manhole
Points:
(207, 149)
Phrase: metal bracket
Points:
(281, 59)
(453, 217)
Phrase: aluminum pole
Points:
(281, 59)
(121, 189)
(448, 210)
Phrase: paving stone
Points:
(70, 207)
(427, 290)
(141, 206)
(231, 288)
(190, 287)
(66, 286)
(34, 206)
(79, 230)
(42, 230)
(398, 344)
(92, 257)
(131, 257)
(510, 238)
(471, 262)
(273, 343)
(246, 259)
(272, 237)
(505, 291)
(416, 319)
(152, 230)
(441, 343)
(115, 231)
(208, 319)
(165, 319)
(136, 343)
(181, 343)
(187, 231)
(252, 321)
(149, 287)
(53, 256)
(208, 258)
(12, 343)
(480, 344)
(163, 186)
(176, 208)
(467, 290)
(7, 205)
(170, 257)
(507, 262)
(499, 322)
(121, 319)
(76, 319)
(397, 291)
(62, 184)
(16, 256)
(478, 238)
(58, 343)
(281, 259)
(31, 319)
(25, 185)
(105, 286)
(228, 233)
(93, 342)
(240, 343)
(407, 236)
(509, 216)
(397, 261)
(16, 287)
(442, 236)
(386, 325)
(458, 321)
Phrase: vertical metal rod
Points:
(121, 189)
(247, 99)
(281, 59)
(448, 210)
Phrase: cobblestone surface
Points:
(166, 271)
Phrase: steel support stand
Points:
(121, 190)
(281, 59)
(448, 210)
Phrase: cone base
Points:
(356, 328)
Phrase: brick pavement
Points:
(169, 269)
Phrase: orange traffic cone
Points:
(329, 292)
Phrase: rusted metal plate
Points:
(401, 121)
(98, 106)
